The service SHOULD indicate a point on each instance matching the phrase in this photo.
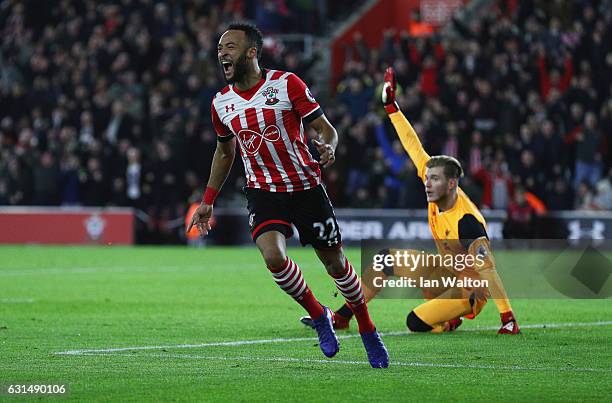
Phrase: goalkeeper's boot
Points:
(376, 350)
(509, 325)
(340, 322)
(328, 342)
(388, 91)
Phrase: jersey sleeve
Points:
(470, 229)
(223, 132)
(302, 100)
(410, 141)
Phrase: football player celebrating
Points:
(457, 227)
(262, 111)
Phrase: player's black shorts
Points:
(309, 210)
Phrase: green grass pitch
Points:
(179, 304)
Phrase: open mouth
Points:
(228, 67)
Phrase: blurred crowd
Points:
(108, 104)
(521, 95)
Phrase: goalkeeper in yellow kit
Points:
(457, 226)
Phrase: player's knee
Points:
(275, 259)
(415, 324)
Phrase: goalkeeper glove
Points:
(388, 91)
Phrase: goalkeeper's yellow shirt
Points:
(463, 221)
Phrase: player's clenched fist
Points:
(201, 219)
(327, 153)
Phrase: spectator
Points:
(69, 179)
(588, 157)
(118, 96)
(560, 196)
(133, 177)
(554, 78)
(603, 196)
(520, 221)
(584, 196)
(46, 181)
(95, 183)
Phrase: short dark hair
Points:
(452, 167)
(253, 35)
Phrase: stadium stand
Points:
(108, 103)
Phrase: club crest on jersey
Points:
(252, 140)
(270, 94)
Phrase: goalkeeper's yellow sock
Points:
(496, 288)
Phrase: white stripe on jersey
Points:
(248, 169)
(279, 165)
(297, 150)
(290, 150)
(257, 156)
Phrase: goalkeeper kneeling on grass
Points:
(457, 227)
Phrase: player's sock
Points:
(496, 288)
(349, 286)
(290, 279)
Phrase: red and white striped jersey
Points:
(267, 122)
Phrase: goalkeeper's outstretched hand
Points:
(388, 91)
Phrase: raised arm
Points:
(405, 131)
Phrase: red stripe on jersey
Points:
(283, 152)
(220, 128)
(280, 165)
(237, 126)
(292, 124)
(264, 153)
(276, 75)
(301, 99)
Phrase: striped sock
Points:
(290, 279)
(349, 286)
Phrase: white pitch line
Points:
(108, 269)
(17, 300)
(296, 339)
(95, 270)
(364, 363)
